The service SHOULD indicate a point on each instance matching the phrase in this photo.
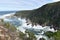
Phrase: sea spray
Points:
(37, 29)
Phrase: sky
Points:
(6, 5)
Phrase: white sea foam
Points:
(42, 36)
(24, 26)
(6, 15)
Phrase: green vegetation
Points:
(31, 35)
(10, 26)
(19, 34)
(55, 35)
(48, 14)
(23, 14)
(7, 25)
(24, 36)
(49, 34)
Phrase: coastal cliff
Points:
(48, 14)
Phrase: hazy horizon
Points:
(11, 5)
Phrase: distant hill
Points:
(6, 12)
(48, 14)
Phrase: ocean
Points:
(21, 24)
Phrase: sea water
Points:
(22, 25)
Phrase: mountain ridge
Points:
(48, 14)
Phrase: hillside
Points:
(48, 14)
(9, 31)
(23, 13)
